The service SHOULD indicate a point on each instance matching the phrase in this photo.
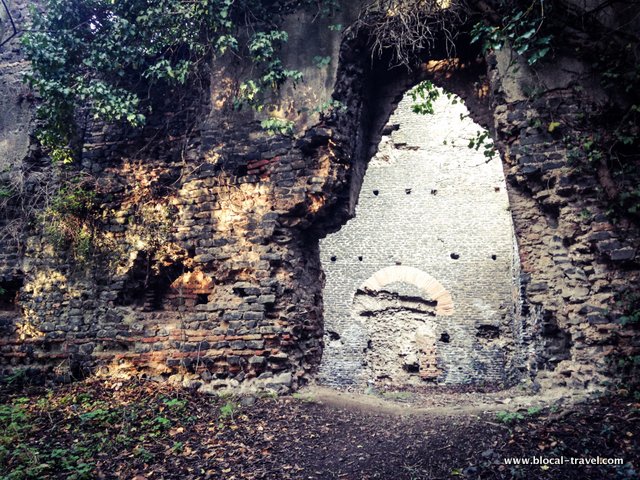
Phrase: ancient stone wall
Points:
(429, 202)
(201, 266)
(21, 175)
(574, 260)
(204, 266)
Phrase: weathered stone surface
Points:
(202, 190)
(463, 236)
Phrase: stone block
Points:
(622, 254)
(251, 315)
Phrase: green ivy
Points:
(106, 55)
(67, 220)
(328, 108)
(521, 29)
(483, 141)
(277, 125)
(262, 48)
(423, 95)
(626, 362)
(629, 303)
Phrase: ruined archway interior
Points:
(422, 284)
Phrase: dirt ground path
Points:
(141, 430)
(439, 402)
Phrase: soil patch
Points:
(142, 430)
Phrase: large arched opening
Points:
(422, 285)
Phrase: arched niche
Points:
(432, 288)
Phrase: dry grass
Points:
(405, 28)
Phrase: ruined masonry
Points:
(205, 267)
(421, 286)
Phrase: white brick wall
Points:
(429, 202)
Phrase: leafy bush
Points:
(509, 417)
(228, 410)
(106, 55)
(67, 220)
(521, 28)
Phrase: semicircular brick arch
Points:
(433, 289)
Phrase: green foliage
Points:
(144, 454)
(88, 426)
(19, 376)
(5, 191)
(23, 456)
(534, 410)
(423, 95)
(619, 70)
(176, 404)
(14, 418)
(177, 447)
(521, 28)
(328, 108)
(592, 153)
(626, 362)
(228, 410)
(321, 62)
(262, 48)
(15, 424)
(509, 417)
(632, 361)
(629, 200)
(162, 423)
(106, 55)
(583, 152)
(620, 75)
(73, 199)
(326, 8)
(629, 304)
(277, 125)
(68, 219)
(586, 215)
(483, 141)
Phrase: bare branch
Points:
(408, 27)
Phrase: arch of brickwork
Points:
(431, 287)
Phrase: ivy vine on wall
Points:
(108, 58)
(107, 55)
(521, 28)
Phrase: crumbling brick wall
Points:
(206, 268)
(428, 204)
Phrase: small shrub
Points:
(509, 417)
(534, 410)
(228, 410)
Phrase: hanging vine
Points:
(109, 55)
